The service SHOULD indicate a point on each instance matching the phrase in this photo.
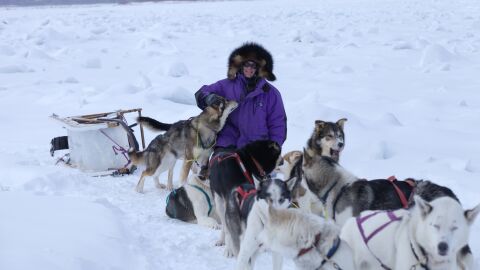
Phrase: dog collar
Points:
(331, 252)
(325, 196)
(304, 251)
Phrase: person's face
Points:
(249, 69)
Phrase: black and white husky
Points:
(193, 202)
(230, 170)
(428, 236)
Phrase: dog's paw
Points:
(208, 222)
(168, 187)
(228, 253)
(139, 189)
(161, 186)
(220, 242)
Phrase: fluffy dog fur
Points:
(225, 175)
(429, 236)
(305, 238)
(327, 139)
(188, 140)
(253, 52)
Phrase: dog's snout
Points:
(442, 248)
(341, 145)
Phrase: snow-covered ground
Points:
(404, 72)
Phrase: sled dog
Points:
(190, 140)
(428, 236)
(310, 240)
(193, 202)
(244, 203)
(291, 166)
(327, 139)
(229, 170)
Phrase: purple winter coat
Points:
(259, 116)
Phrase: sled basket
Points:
(97, 142)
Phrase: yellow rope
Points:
(198, 145)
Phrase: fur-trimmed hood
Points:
(253, 52)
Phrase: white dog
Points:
(428, 236)
(311, 241)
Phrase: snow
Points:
(404, 73)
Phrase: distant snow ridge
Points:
(435, 55)
(178, 69)
(182, 96)
(15, 69)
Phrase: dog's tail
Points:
(135, 157)
(153, 124)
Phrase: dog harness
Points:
(330, 253)
(206, 197)
(392, 179)
(366, 238)
(245, 191)
(246, 173)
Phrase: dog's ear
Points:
(424, 206)
(341, 122)
(471, 214)
(257, 182)
(291, 183)
(319, 125)
(307, 156)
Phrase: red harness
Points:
(400, 194)
(247, 174)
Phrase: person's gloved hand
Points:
(213, 99)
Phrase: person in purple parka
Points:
(260, 114)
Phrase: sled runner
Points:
(98, 142)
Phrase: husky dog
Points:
(290, 166)
(310, 240)
(244, 203)
(344, 195)
(191, 140)
(327, 139)
(429, 236)
(230, 170)
(193, 202)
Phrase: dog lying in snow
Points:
(193, 202)
(428, 236)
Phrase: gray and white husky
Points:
(327, 139)
(190, 140)
(428, 236)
